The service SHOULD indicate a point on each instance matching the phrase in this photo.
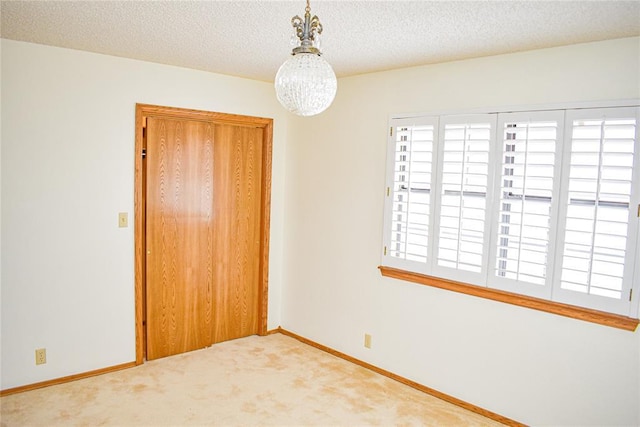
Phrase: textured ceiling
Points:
(252, 38)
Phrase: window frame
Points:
(484, 284)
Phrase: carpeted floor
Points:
(273, 380)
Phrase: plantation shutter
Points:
(599, 209)
(543, 203)
(410, 191)
(526, 193)
(461, 220)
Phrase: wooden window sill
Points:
(574, 312)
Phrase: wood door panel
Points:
(237, 294)
(237, 206)
(179, 229)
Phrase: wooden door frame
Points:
(142, 112)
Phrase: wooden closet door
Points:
(237, 207)
(179, 236)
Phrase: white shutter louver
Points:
(598, 202)
(526, 194)
(411, 192)
(464, 174)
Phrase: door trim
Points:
(142, 112)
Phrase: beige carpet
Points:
(273, 380)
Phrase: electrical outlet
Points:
(41, 356)
(367, 340)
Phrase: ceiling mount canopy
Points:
(306, 84)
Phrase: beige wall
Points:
(535, 367)
(67, 170)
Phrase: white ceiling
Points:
(252, 38)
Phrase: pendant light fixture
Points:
(306, 84)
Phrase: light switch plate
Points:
(123, 220)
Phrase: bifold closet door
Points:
(179, 236)
(237, 208)
(203, 218)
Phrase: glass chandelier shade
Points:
(306, 84)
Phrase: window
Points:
(462, 203)
(538, 203)
(599, 211)
(526, 201)
(413, 157)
